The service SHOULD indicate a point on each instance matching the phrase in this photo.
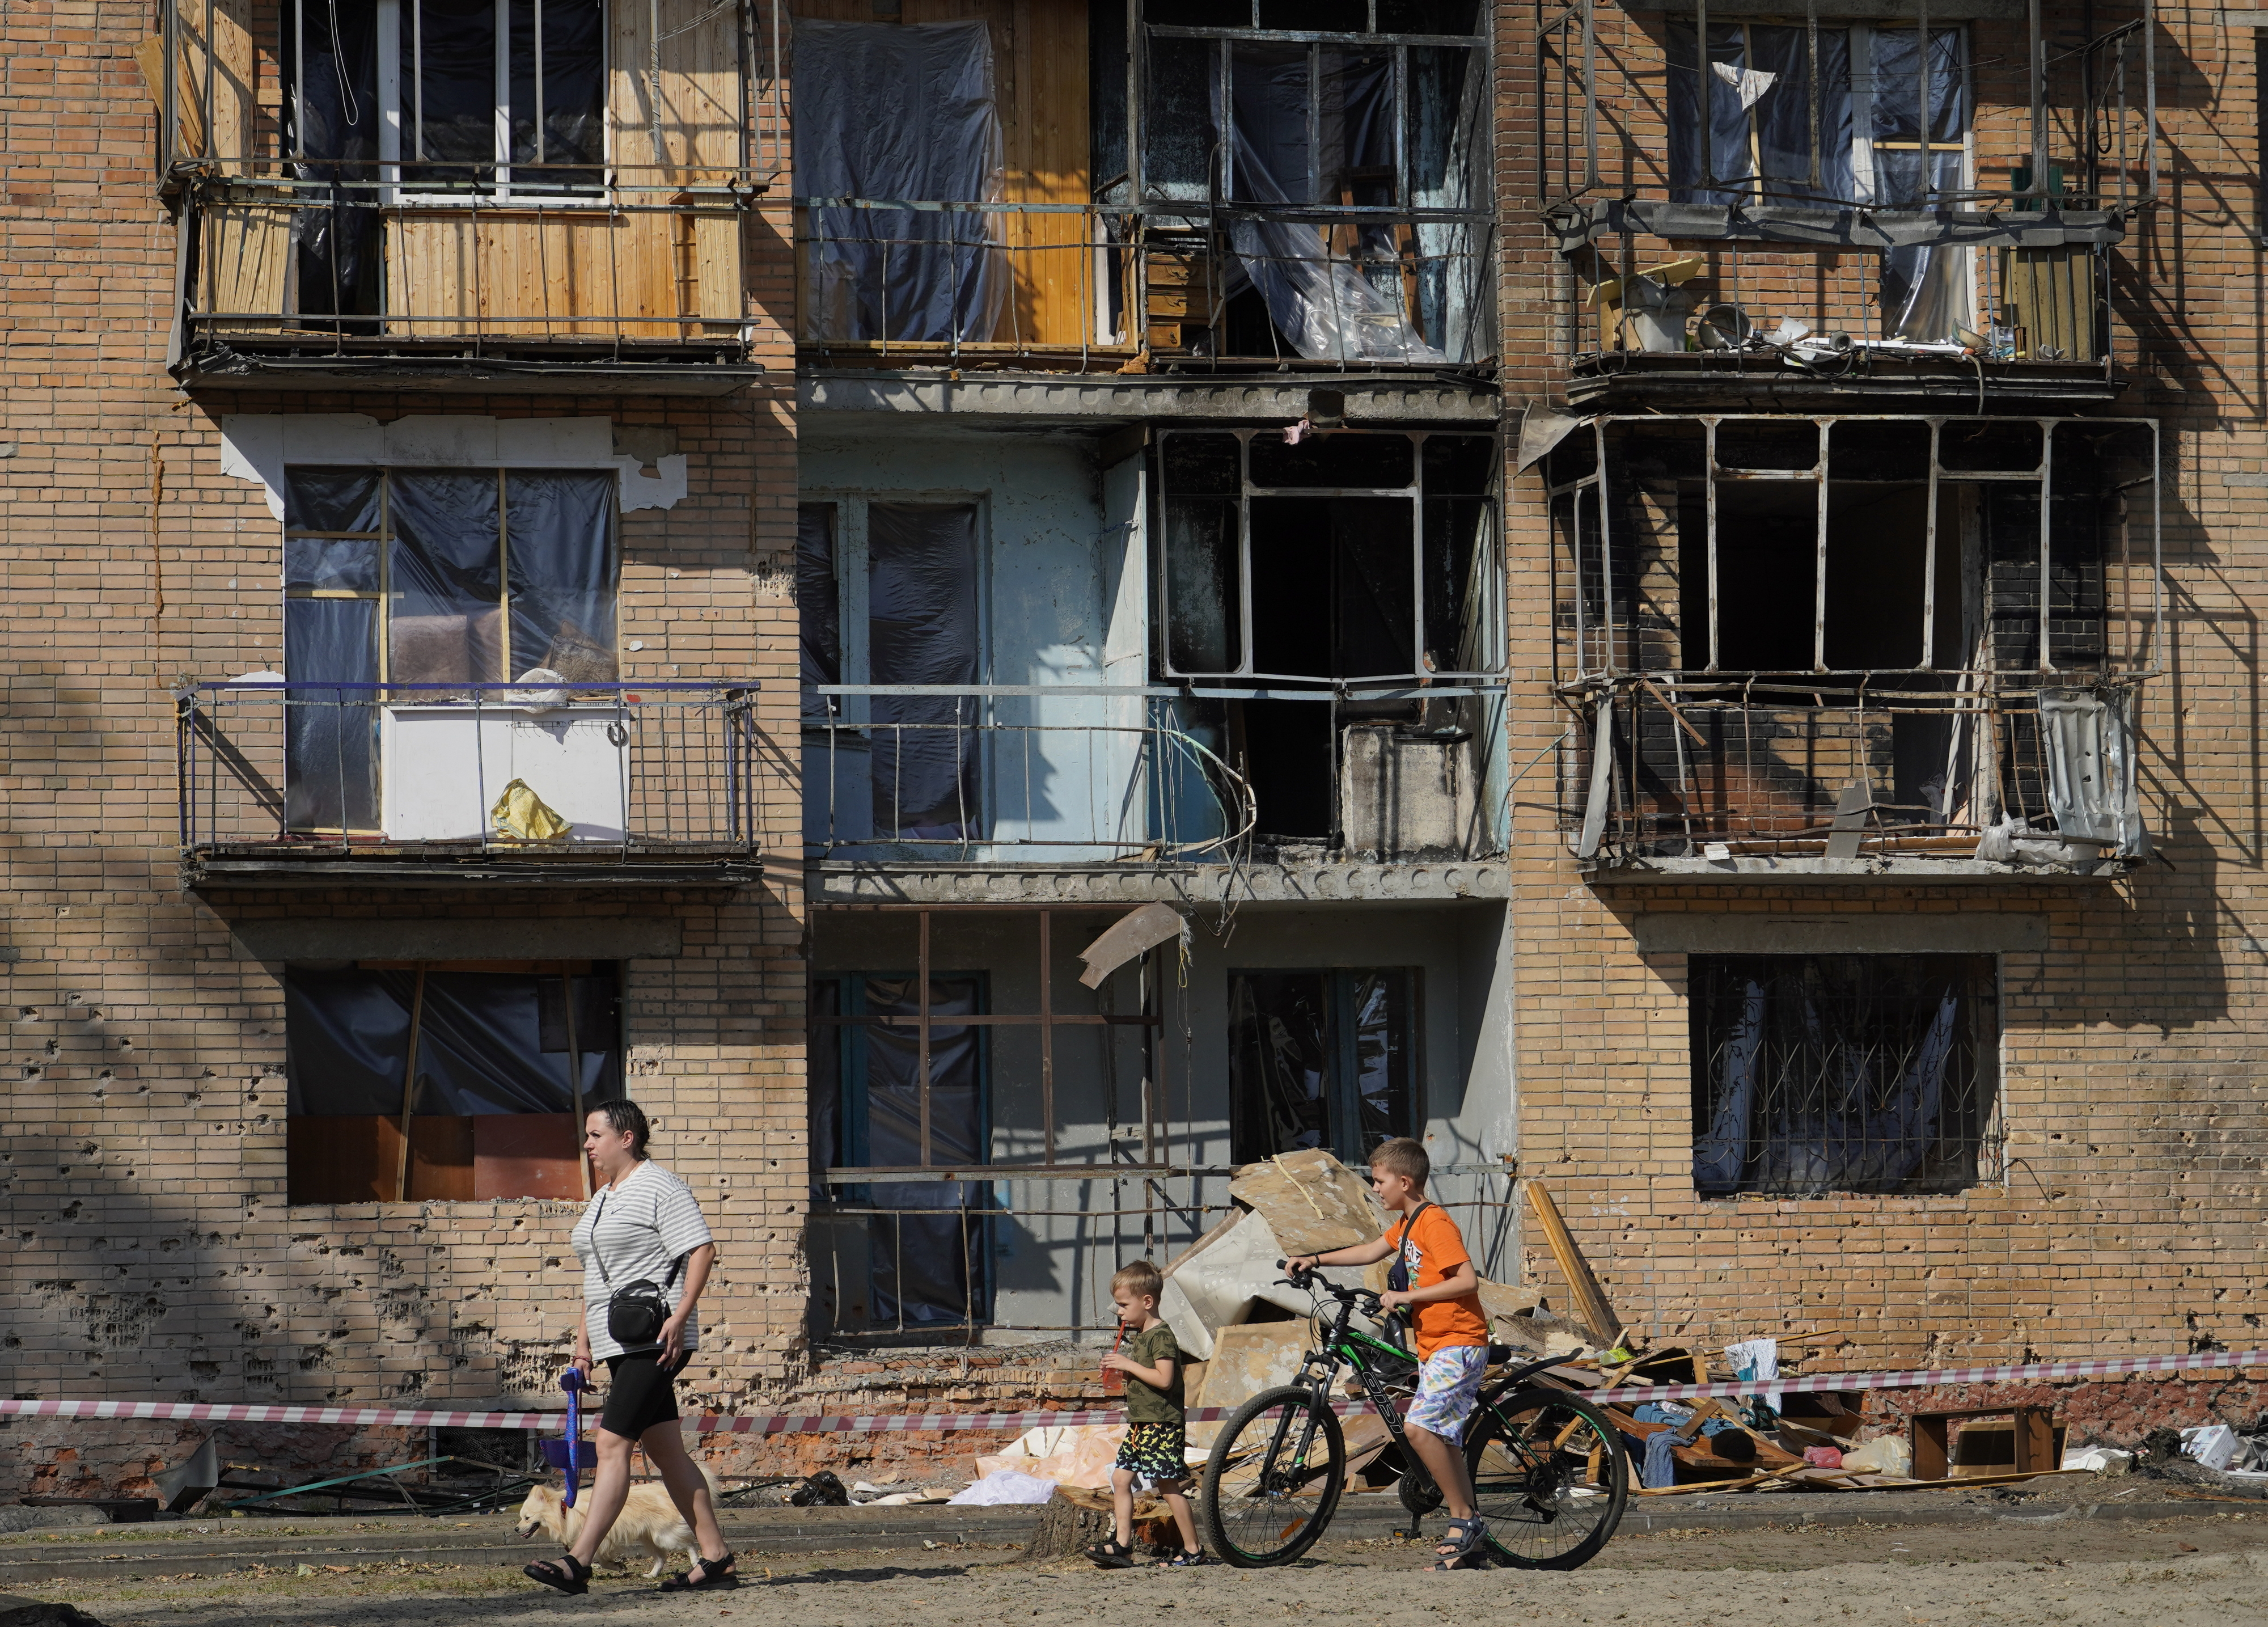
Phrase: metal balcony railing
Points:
(1938, 764)
(571, 777)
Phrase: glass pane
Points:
(921, 629)
(559, 544)
(1203, 607)
(818, 606)
(1384, 1098)
(1278, 1063)
(330, 739)
(448, 78)
(324, 499)
(445, 623)
(574, 91)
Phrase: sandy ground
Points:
(2207, 1571)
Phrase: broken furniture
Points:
(2037, 1446)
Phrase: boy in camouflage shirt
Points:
(1152, 1456)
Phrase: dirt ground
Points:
(2204, 1572)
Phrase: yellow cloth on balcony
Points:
(525, 815)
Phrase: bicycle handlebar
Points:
(1362, 1298)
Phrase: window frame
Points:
(401, 110)
(1342, 1108)
(1983, 1139)
(1484, 571)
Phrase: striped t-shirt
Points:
(640, 1226)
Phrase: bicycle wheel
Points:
(1549, 1475)
(1274, 1478)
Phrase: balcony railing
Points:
(345, 210)
(1718, 769)
(564, 782)
(1008, 774)
(1862, 202)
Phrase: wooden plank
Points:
(524, 1155)
(1591, 1306)
(441, 1159)
(347, 1160)
(247, 258)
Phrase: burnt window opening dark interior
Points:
(1814, 1074)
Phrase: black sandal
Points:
(1112, 1556)
(1185, 1558)
(567, 1573)
(707, 1574)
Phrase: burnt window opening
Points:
(1833, 117)
(1814, 1074)
(1378, 110)
(914, 1258)
(481, 1065)
(1320, 1059)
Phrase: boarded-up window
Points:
(483, 1065)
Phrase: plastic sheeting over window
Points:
(1840, 1073)
(899, 114)
(1318, 1059)
(1858, 141)
(487, 1042)
(1318, 128)
(925, 1249)
(922, 572)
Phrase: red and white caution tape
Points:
(953, 1423)
(1925, 1378)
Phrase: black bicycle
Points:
(1549, 1475)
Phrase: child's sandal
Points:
(1457, 1549)
(1185, 1559)
(1112, 1556)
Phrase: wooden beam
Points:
(1590, 1299)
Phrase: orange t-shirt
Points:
(1435, 1248)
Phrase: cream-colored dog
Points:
(650, 1524)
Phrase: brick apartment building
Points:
(916, 486)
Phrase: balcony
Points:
(400, 194)
(1272, 200)
(1854, 645)
(442, 785)
(1876, 210)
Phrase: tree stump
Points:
(1075, 1518)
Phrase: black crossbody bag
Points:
(1397, 1275)
(637, 1310)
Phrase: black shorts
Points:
(640, 1393)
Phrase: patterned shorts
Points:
(1448, 1388)
(1154, 1453)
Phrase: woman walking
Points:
(641, 1231)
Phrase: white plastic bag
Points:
(1004, 1486)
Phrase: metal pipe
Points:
(408, 1086)
(921, 1011)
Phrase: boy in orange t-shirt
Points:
(1435, 1280)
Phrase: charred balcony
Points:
(1144, 186)
(1856, 645)
(1805, 212)
(411, 192)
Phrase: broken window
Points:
(1835, 117)
(888, 596)
(1320, 1059)
(483, 1067)
(924, 1264)
(898, 112)
(1351, 151)
(1842, 1073)
(429, 579)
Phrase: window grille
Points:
(1842, 1073)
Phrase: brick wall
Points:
(2129, 1215)
(151, 1250)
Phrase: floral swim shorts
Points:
(1154, 1452)
(1448, 1389)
